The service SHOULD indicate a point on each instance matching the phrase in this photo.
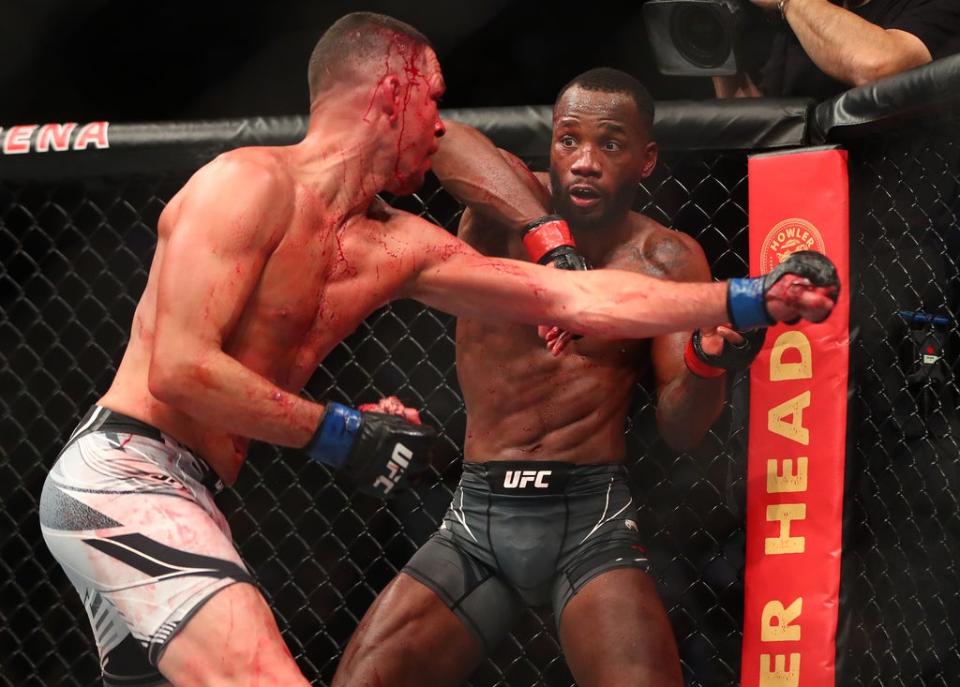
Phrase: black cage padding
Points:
(931, 91)
(183, 146)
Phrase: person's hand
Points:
(804, 286)
(794, 298)
(391, 405)
(556, 339)
(711, 352)
(713, 338)
(378, 446)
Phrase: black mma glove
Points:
(732, 357)
(746, 298)
(376, 451)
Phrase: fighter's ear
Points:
(649, 160)
(389, 97)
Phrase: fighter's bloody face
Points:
(418, 121)
(601, 151)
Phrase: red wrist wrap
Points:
(697, 366)
(543, 238)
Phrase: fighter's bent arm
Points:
(686, 404)
(229, 221)
(490, 182)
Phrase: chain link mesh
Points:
(75, 257)
(900, 585)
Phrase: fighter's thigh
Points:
(154, 557)
(232, 639)
(615, 631)
(408, 637)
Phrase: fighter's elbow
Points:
(681, 439)
(171, 378)
(452, 126)
(162, 382)
(685, 431)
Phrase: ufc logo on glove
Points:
(396, 466)
(365, 446)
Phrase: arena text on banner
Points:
(798, 408)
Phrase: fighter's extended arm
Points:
(615, 304)
(227, 226)
(500, 187)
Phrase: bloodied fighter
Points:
(265, 260)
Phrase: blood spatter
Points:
(342, 265)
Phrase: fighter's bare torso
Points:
(525, 404)
(322, 275)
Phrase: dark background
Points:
(123, 60)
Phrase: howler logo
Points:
(789, 236)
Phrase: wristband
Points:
(332, 441)
(545, 234)
(696, 365)
(746, 304)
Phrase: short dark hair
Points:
(609, 80)
(354, 40)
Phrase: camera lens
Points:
(699, 34)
